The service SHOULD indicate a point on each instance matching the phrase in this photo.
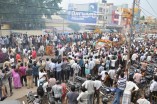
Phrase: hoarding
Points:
(83, 13)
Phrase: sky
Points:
(146, 9)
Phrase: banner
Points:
(83, 13)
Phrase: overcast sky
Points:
(143, 5)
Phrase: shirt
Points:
(97, 84)
(113, 63)
(34, 54)
(89, 85)
(4, 50)
(149, 58)
(35, 70)
(57, 89)
(143, 101)
(41, 76)
(122, 83)
(22, 71)
(100, 69)
(112, 73)
(83, 98)
(129, 87)
(76, 67)
(91, 65)
(153, 86)
(52, 66)
(29, 72)
(102, 75)
(58, 67)
(47, 65)
(72, 97)
(134, 56)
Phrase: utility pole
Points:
(132, 21)
(0, 27)
(131, 37)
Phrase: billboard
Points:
(83, 13)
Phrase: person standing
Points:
(130, 87)
(137, 78)
(89, 85)
(76, 69)
(71, 97)
(153, 89)
(29, 76)
(58, 70)
(142, 100)
(22, 71)
(16, 78)
(121, 84)
(52, 67)
(87, 70)
(81, 64)
(65, 70)
(97, 85)
(7, 80)
(47, 67)
(91, 65)
(83, 96)
(34, 54)
(35, 72)
(18, 57)
(57, 90)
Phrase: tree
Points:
(74, 27)
(27, 14)
(142, 18)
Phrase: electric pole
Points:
(131, 37)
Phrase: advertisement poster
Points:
(83, 13)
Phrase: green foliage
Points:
(74, 27)
(142, 18)
(27, 14)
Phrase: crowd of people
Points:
(76, 54)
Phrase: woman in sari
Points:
(16, 78)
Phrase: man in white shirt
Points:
(113, 63)
(4, 50)
(47, 67)
(57, 90)
(130, 86)
(112, 74)
(89, 85)
(91, 65)
(52, 66)
(76, 68)
(153, 86)
(134, 57)
(102, 75)
(142, 100)
(97, 85)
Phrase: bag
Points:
(40, 90)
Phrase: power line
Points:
(151, 7)
(146, 10)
